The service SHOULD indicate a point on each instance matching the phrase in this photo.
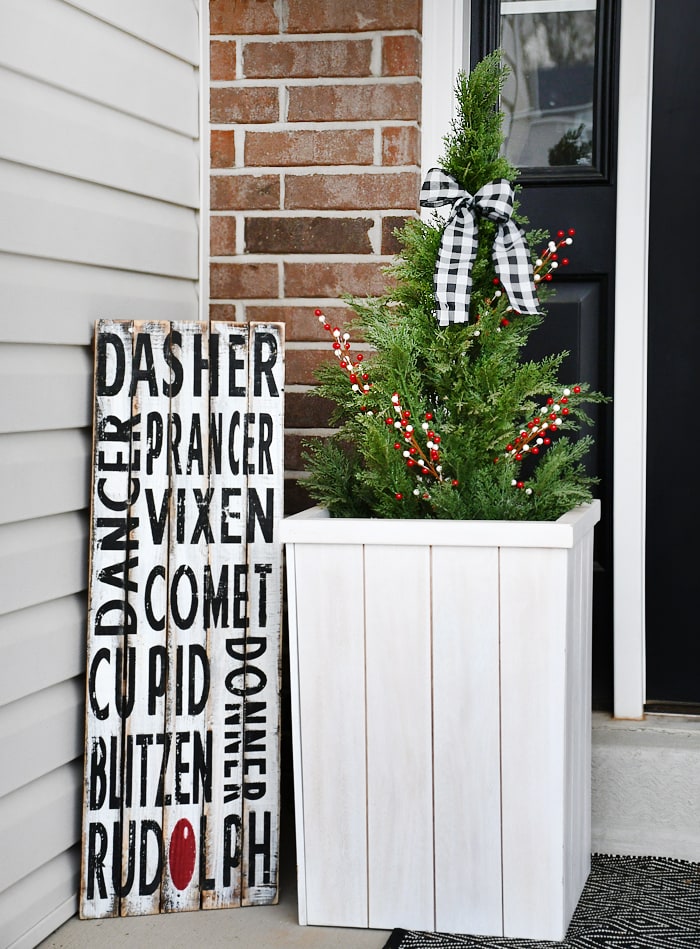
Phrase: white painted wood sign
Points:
(181, 790)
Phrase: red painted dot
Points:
(182, 854)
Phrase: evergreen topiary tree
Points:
(454, 421)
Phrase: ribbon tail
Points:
(511, 256)
(452, 280)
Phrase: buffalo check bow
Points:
(453, 279)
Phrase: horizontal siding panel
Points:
(99, 62)
(45, 387)
(42, 560)
(24, 459)
(39, 821)
(41, 732)
(52, 632)
(49, 895)
(59, 302)
(128, 153)
(171, 25)
(46, 215)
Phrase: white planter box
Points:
(441, 721)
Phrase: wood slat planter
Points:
(441, 721)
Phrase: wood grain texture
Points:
(185, 715)
(263, 452)
(225, 710)
(534, 587)
(399, 739)
(332, 733)
(466, 737)
(477, 689)
(107, 621)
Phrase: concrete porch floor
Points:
(646, 801)
(251, 927)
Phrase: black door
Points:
(560, 104)
(673, 447)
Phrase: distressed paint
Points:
(181, 800)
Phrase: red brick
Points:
(301, 322)
(307, 410)
(354, 103)
(233, 17)
(294, 448)
(319, 279)
(347, 191)
(293, 60)
(390, 243)
(308, 235)
(229, 106)
(223, 311)
(309, 147)
(235, 281)
(222, 60)
(243, 192)
(223, 149)
(222, 236)
(401, 145)
(301, 364)
(401, 56)
(296, 497)
(330, 16)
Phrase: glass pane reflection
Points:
(550, 47)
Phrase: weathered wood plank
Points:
(191, 779)
(189, 762)
(263, 453)
(229, 619)
(144, 726)
(109, 622)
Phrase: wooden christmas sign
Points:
(181, 793)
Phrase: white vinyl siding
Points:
(99, 198)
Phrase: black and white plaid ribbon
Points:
(511, 255)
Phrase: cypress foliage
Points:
(452, 422)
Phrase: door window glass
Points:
(549, 97)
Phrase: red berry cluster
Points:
(359, 380)
(549, 261)
(535, 435)
(421, 461)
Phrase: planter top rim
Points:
(315, 526)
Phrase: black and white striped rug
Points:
(627, 903)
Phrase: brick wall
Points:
(315, 114)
